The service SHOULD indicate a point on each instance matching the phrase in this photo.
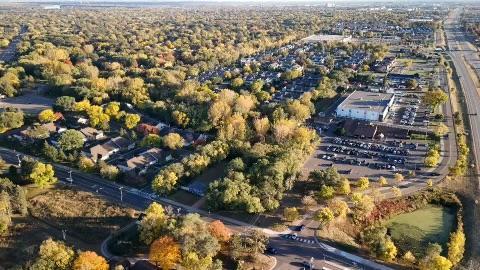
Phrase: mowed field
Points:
(88, 219)
(414, 231)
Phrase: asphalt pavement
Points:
(461, 53)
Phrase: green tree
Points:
(71, 140)
(152, 140)
(65, 104)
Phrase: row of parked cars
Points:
(372, 146)
(365, 154)
(408, 117)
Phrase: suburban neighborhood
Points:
(224, 135)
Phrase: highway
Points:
(460, 51)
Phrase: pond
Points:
(415, 230)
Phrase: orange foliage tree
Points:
(220, 231)
(89, 260)
(165, 252)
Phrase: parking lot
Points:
(408, 111)
(356, 158)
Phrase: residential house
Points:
(104, 151)
(140, 163)
(92, 134)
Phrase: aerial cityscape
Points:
(249, 135)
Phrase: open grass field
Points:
(85, 215)
(413, 231)
(25, 236)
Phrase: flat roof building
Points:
(367, 106)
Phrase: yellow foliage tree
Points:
(152, 224)
(47, 116)
(165, 252)
(131, 120)
(89, 260)
(456, 246)
(173, 141)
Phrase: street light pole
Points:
(121, 194)
(70, 178)
(19, 161)
(64, 234)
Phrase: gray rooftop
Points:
(367, 101)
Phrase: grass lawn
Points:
(85, 215)
(184, 197)
(413, 231)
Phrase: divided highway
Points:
(462, 52)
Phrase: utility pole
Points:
(64, 234)
(70, 178)
(19, 161)
(121, 194)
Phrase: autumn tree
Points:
(324, 215)
(152, 140)
(173, 141)
(433, 260)
(165, 252)
(291, 214)
(131, 120)
(261, 126)
(382, 181)
(363, 183)
(343, 186)
(97, 117)
(398, 177)
(441, 130)
(220, 231)
(46, 116)
(456, 246)
(339, 208)
(113, 109)
(89, 260)
(308, 202)
(435, 98)
(40, 174)
(54, 255)
(152, 224)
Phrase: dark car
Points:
(271, 250)
(434, 174)
(299, 228)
